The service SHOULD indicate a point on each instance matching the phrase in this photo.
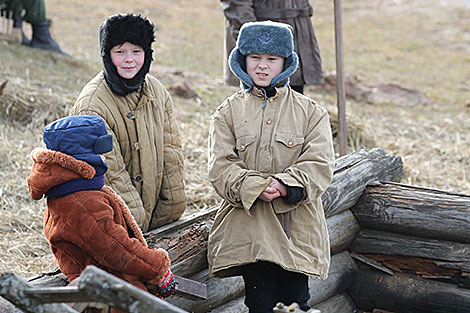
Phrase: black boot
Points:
(42, 38)
(17, 23)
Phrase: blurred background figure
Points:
(297, 13)
(33, 12)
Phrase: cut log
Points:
(234, 306)
(450, 272)
(340, 303)
(407, 293)
(374, 241)
(415, 211)
(229, 291)
(432, 259)
(354, 172)
(342, 230)
(341, 275)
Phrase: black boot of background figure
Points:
(17, 23)
(42, 38)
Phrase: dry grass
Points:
(419, 44)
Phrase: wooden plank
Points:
(219, 291)
(371, 262)
(415, 211)
(106, 288)
(186, 288)
(190, 288)
(12, 288)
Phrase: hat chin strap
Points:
(237, 63)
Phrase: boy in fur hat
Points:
(146, 166)
(270, 158)
(86, 222)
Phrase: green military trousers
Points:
(32, 11)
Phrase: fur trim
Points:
(266, 37)
(46, 156)
(130, 221)
(237, 63)
(133, 28)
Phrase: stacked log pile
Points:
(418, 243)
(186, 241)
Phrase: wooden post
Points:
(340, 93)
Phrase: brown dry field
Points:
(424, 45)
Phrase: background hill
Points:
(408, 67)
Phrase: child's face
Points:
(128, 59)
(262, 68)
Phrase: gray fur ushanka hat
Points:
(266, 37)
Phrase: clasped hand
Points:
(274, 190)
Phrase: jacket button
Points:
(130, 115)
(290, 143)
(138, 178)
(269, 122)
(242, 148)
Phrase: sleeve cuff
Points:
(252, 187)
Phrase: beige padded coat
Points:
(289, 139)
(146, 165)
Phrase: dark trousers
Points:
(267, 283)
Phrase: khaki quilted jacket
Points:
(146, 165)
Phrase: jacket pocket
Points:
(245, 148)
(289, 140)
(286, 150)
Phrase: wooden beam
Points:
(106, 288)
(415, 211)
(407, 293)
(13, 287)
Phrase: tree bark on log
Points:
(378, 242)
(230, 291)
(340, 276)
(340, 303)
(415, 211)
(342, 230)
(407, 293)
(354, 172)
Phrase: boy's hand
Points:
(274, 190)
(167, 287)
(279, 187)
(269, 194)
